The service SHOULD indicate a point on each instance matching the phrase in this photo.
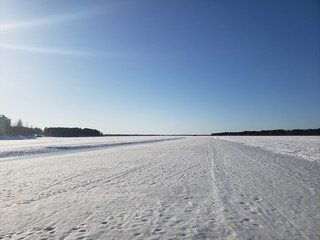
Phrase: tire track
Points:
(264, 193)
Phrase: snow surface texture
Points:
(49, 145)
(306, 147)
(189, 188)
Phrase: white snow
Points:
(186, 188)
(306, 147)
(27, 146)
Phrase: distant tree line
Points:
(19, 129)
(71, 132)
(278, 132)
(25, 131)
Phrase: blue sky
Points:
(161, 66)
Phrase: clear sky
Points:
(169, 66)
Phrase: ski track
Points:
(190, 188)
(306, 147)
(266, 191)
(54, 146)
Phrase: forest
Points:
(21, 129)
(278, 132)
(71, 132)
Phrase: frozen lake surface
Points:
(160, 188)
(307, 147)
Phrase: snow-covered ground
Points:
(187, 188)
(12, 147)
(307, 147)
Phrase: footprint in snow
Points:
(257, 199)
(244, 220)
(49, 228)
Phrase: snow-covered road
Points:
(190, 188)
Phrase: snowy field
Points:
(307, 147)
(21, 147)
(160, 188)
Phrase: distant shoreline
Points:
(155, 135)
(278, 132)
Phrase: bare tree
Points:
(19, 123)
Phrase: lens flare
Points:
(34, 23)
(49, 50)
